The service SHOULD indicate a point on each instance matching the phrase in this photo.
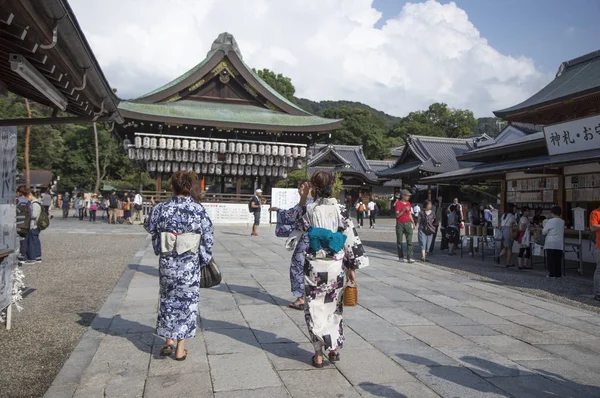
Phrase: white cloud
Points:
(330, 48)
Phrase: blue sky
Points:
(548, 31)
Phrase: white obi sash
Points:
(180, 243)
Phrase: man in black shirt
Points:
(255, 209)
(113, 205)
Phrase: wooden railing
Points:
(207, 197)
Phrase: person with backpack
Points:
(113, 205)
(24, 211)
(254, 208)
(137, 207)
(66, 205)
(372, 206)
(93, 208)
(361, 211)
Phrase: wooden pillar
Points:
(429, 192)
(222, 184)
(561, 197)
(238, 187)
(502, 196)
(158, 184)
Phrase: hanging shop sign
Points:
(574, 136)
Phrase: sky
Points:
(394, 55)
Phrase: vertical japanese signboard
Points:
(8, 235)
(574, 136)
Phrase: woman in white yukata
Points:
(334, 253)
(182, 234)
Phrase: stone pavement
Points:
(418, 332)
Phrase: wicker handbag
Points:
(210, 275)
(351, 294)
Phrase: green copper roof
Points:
(229, 113)
(178, 80)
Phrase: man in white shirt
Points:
(416, 210)
(372, 206)
(137, 207)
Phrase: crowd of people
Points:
(123, 209)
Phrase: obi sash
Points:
(180, 243)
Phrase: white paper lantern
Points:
(274, 171)
(175, 167)
(223, 147)
(200, 157)
(227, 169)
(192, 156)
(185, 156)
(160, 167)
(138, 142)
(242, 159)
(183, 166)
(162, 143)
(146, 142)
(261, 171)
(193, 145)
(167, 167)
(309, 153)
(231, 147)
(154, 154)
(268, 150)
(207, 146)
(131, 153)
(277, 161)
(254, 170)
(291, 162)
(248, 170)
(240, 170)
(288, 151)
(170, 143)
(185, 145)
(215, 147)
(281, 150)
(211, 169)
(177, 144)
(170, 154)
(239, 148)
(162, 155)
(204, 168)
(215, 158)
(249, 159)
(178, 156)
(256, 160)
(254, 149)
(153, 143)
(270, 160)
(295, 152)
(261, 149)
(268, 171)
(235, 158)
(197, 168)
(283, 173)
(303, 152)
(147, 154)
(228, 158)
(190, 167)
(151, 166)
(263, 160)
(275, 150)
(218, 170)
(200, 146)
(246, 148)
(233, 170)
(299, 163)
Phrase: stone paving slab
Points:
(418, 332)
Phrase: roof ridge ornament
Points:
(225, 42)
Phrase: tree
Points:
(282, 84)
(438, 120)
(360, 127)
(491, 126)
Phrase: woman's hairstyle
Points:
(525, 208)
(452, 207)
(303, 182)
(196, 193)
(182, 182)
(426, 203)
(321, 183)
(23, 190)
(510, 210)
(556, 210)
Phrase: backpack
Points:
(113, 201)
(43, 220)
(361, 208)
(23, 218)
(250, 209)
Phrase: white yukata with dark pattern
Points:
(324, 279)
(179, 274)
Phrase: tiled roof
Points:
(397, 152)
(576, 77)
(352, 157)
(220, 112)
(378, 165)
(520, 144)
(527, 128)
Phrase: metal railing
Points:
(207, 197)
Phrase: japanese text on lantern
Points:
(574, 136)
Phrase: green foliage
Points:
(338, 185)
(69, 150)
(283, 85)
(319, 108)
(491, 126)
(438, 120)
(293, 179)
(384, 205)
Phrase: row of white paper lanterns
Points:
(200, 157)
(222, 147)
(218, 169)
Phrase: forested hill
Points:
(319, 108)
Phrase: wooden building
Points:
(221, 120)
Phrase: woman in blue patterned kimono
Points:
(291, 219)
(334, 253)
(182, 235)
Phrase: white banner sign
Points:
(234, 213)
(283, 198)
(574, 136)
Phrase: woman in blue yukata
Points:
(289, 220)
(333, 255)
(182, 235)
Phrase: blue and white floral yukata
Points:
(324, 273)
(179, 274)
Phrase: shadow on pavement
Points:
(575, 289)
(378, 390)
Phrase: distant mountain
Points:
(318, 108)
